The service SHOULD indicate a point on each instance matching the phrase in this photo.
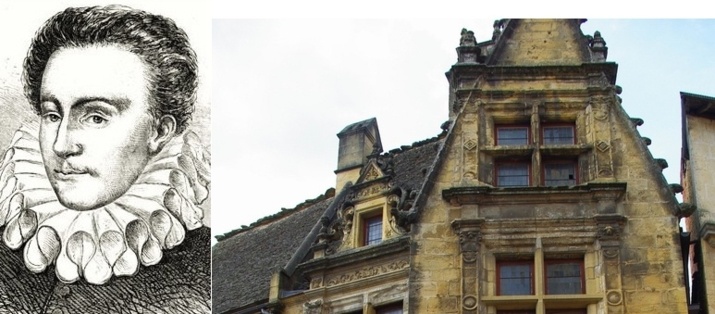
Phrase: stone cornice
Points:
(524, 72)
(357, 256)
(534, 195)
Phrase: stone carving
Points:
(601, 113)
(602, 146)
(316, 283)
(598, 80)
(370, 190)
(402, 210)
(675, 188)
(686, 209)
(598, 47)
(609, 232)
(469, 240)
(313, 307)
(372, 174)
(662, 163)
(498, 24)
(469, 302)
(470, 144)
(610, 253)
(467, 38)
(637, 121)
(707, 233)
(329, 231)
(614, 297)
(367, 272)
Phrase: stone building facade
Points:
(539, 196)
(698, 181)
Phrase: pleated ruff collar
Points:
(114, 240)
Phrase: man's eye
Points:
(52, 116)
(97, 119)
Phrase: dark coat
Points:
(180, 283)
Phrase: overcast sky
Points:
(283, 88)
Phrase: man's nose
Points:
(66, 143)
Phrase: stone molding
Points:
(367, 272)
(707, 233)
(485, 195)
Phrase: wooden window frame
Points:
(557, 125)
(548, 262)
(526, 127)
(529, 263)
(500, 163)
(546, 162)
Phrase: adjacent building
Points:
(538, 196)
(698, 180)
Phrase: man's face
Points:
(95, 124)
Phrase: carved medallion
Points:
(614, 297)
(469, 302)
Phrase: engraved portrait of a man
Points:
(102, 195)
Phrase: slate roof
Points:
(244, 260)
(243, 263)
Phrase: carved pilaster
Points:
(610, 229)
(470, 143)
(469, 233)
(599, 132)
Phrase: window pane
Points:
(512, 136)
(556, 174)
(395, 308)
(558, 135)
(513, 175)
(373, 230)
(563, 278)
(515, 279)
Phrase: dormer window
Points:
(373, 230)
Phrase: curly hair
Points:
(163, 46)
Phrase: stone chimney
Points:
(357, 141)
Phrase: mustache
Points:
(67, 168)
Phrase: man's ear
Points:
(163, 132)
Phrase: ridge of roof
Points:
(417, 144)
(330, 192)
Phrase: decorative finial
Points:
(467, 38)
(497, 29)
(598, 47)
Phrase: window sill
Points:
(550, 301)
(534, 194)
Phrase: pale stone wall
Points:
(651, 263)
(699, 184)
(542, 41)
(701, 136)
